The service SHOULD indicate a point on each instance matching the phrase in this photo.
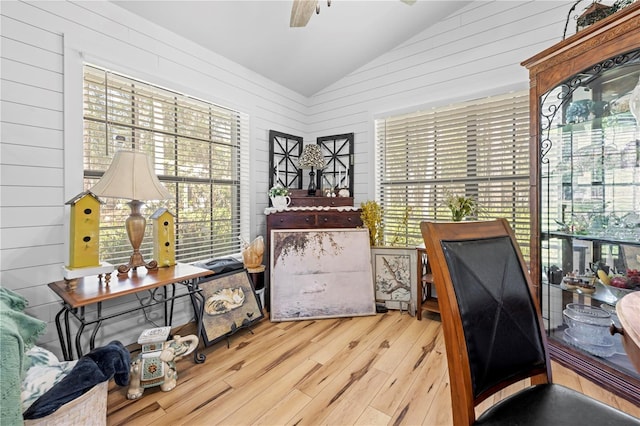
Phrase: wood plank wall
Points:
(43, 45)
(472, 53)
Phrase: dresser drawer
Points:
(292, 221)
(339, 220)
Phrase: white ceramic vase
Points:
(280, 201)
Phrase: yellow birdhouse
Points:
(84, 239)
(164, 250)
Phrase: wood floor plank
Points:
(406, 338)
(265, 396)
(349, 334)
(394, 390)
(336, 390)
(239, 402)
(354, 403)
(414, 408)
(296, 347)
(383, 369)
(357, 342)
(440, 412)
(372, 417)
(282, 412)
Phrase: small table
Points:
(426, 299)
(93, 291)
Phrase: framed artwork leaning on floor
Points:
(320, 273)
(395, 272)
(230, 304)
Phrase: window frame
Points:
(237, 182)
(431, 148)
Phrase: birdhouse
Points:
(164, 250)
(84, 229)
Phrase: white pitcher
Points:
(280, 201)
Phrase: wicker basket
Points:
(90, 409)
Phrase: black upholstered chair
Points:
(494, 333)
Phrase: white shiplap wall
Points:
(43, 46)
(475, 52)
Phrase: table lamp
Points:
(312, 157)
(130, 176)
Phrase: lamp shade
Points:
(130, 176)
(312, 157)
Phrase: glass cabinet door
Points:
(590, 205)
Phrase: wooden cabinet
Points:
(307, 218)
(585, 180)
(299, 198)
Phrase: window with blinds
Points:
(477, 149)
(199, 153)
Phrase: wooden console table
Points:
(94, 291)
(307, 218)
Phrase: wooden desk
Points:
(93, 291)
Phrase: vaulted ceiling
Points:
(256, 34)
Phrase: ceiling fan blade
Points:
(409, 2)
(301, 12)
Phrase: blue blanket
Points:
(99, 365)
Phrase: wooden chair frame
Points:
(463, 400)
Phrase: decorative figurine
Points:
(155, 366)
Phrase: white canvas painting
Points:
(321, 274)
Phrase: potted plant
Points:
(461, 206)
(279, 196)
(372, 218)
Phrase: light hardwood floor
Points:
(388, 369)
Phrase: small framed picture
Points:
(395, 277)
(230, 304)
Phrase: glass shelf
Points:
(590, 195)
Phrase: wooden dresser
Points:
(307, 212)
(299, 198)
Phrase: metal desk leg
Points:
(197, 299)
(78, 340)
(66, 349)
(92, 339)
(172, 302)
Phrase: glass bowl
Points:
(588, 323)
(603, 346)
(587, 314)
(617, 292)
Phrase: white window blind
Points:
(198, 150)
(478, 149)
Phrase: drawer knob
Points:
(306, 219)
(325, 219)
(348, 219)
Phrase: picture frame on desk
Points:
(395, 277)
(320, 273)
(230, 304)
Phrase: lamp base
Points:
(135, 225)
(311, 191)
(135, 261)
